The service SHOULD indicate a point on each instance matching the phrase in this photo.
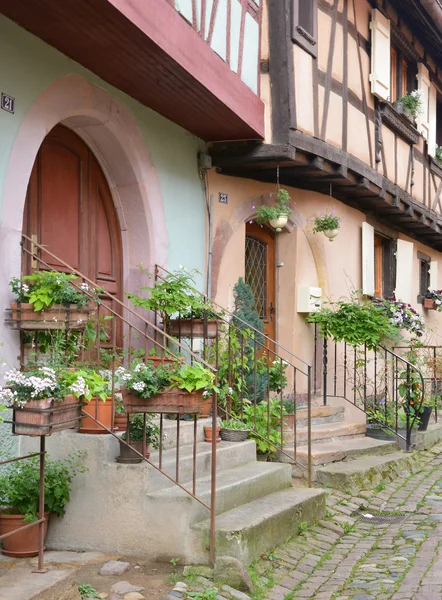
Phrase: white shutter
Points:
(367, 259)
(404, 271)
(432, 107)
(423, 84)
(380, 55)
(433, 275)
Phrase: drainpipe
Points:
(209, 265)
(434, 9)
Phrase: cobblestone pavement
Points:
(345, 557)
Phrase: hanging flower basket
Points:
(279, 223)
(331, 233)
(195, 328)
(43, 417)
(58, 316)
(277, 216)
(171, 401)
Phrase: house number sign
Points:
(223, 198)
(8, 103)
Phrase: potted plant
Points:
(120, 416)
(95, 390)
(433, 300)
(165, 389)
(44, 400)
(234, 431)
(411, 105)
(328, 224)
(288, 418)
(50, 300)
(208, 433)
(278, 215)
(200, 322)
(136, 428)
(439, 155)
(20, 494)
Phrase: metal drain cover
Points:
(382, 518)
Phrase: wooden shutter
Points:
(404, 271)
(380, 55)
(423, 84)
(432, 109)
(305, 25)
(368, 259)
(433, 275)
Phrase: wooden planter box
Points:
(195, 328)
(43, 417)
(429, 304)
(58, 316)
(172, 401)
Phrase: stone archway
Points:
(112, 133)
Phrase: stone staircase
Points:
(135, 510)
(338, 438)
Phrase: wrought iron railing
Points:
(388, 387)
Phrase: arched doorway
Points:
(69, 210)
(260, 274)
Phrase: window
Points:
(384, 267)
(439, 121)
(403, 74)
(424, 275)
(305, 25)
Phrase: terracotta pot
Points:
(23, 544)
(43, 417)
(172, 401)
(57, 316)
(164, 360)
(104, 415)
(128, 456)
(195, 328)
(206, 407)
(208, 434)
(429, 304)
(120, 421)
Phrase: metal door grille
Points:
(256, 273)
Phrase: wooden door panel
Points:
(260, 273)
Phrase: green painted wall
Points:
(28, 66)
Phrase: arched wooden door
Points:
(69, 210)
(260, 274)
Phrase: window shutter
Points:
(423, 84)
(305, 25)
(367, 259)
(404, 271)
(432, 108)
(380, 55)
(433, 275)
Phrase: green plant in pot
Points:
(278, 215)
(233, 430)
(328, 224)
(136, 429)
(411, 104)
(20, 496)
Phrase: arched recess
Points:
(245, 211)
(112, 133)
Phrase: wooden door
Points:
(69, 210)
(260, 273)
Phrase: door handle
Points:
(272, 309)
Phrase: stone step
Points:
(234, 487)
(22, 584)
(366, 473)
(249, 530)
(353, 448)
(326, 432)
(320, 415)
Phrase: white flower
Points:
(84, 287)
(139, 367)
(139, 386)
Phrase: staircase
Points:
(134, 509)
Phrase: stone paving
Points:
(344, 557)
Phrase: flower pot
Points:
(208, 434)
(128, 456)
(206, 408)
(195, 328)
(57, 316)
(234, 435)
(424, 418)
(331, 233)
(429, 304)
(99, 410)
(279, 223)
(120, 421)
(172, 401)
(375, 431)
(23, 544)
(164, 360)
(43, 417)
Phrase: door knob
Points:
(272, 309)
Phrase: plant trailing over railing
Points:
(20, 486)
(43, 289)
(413, 103)
(327, 222)
(271, 214)
(403, 316)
